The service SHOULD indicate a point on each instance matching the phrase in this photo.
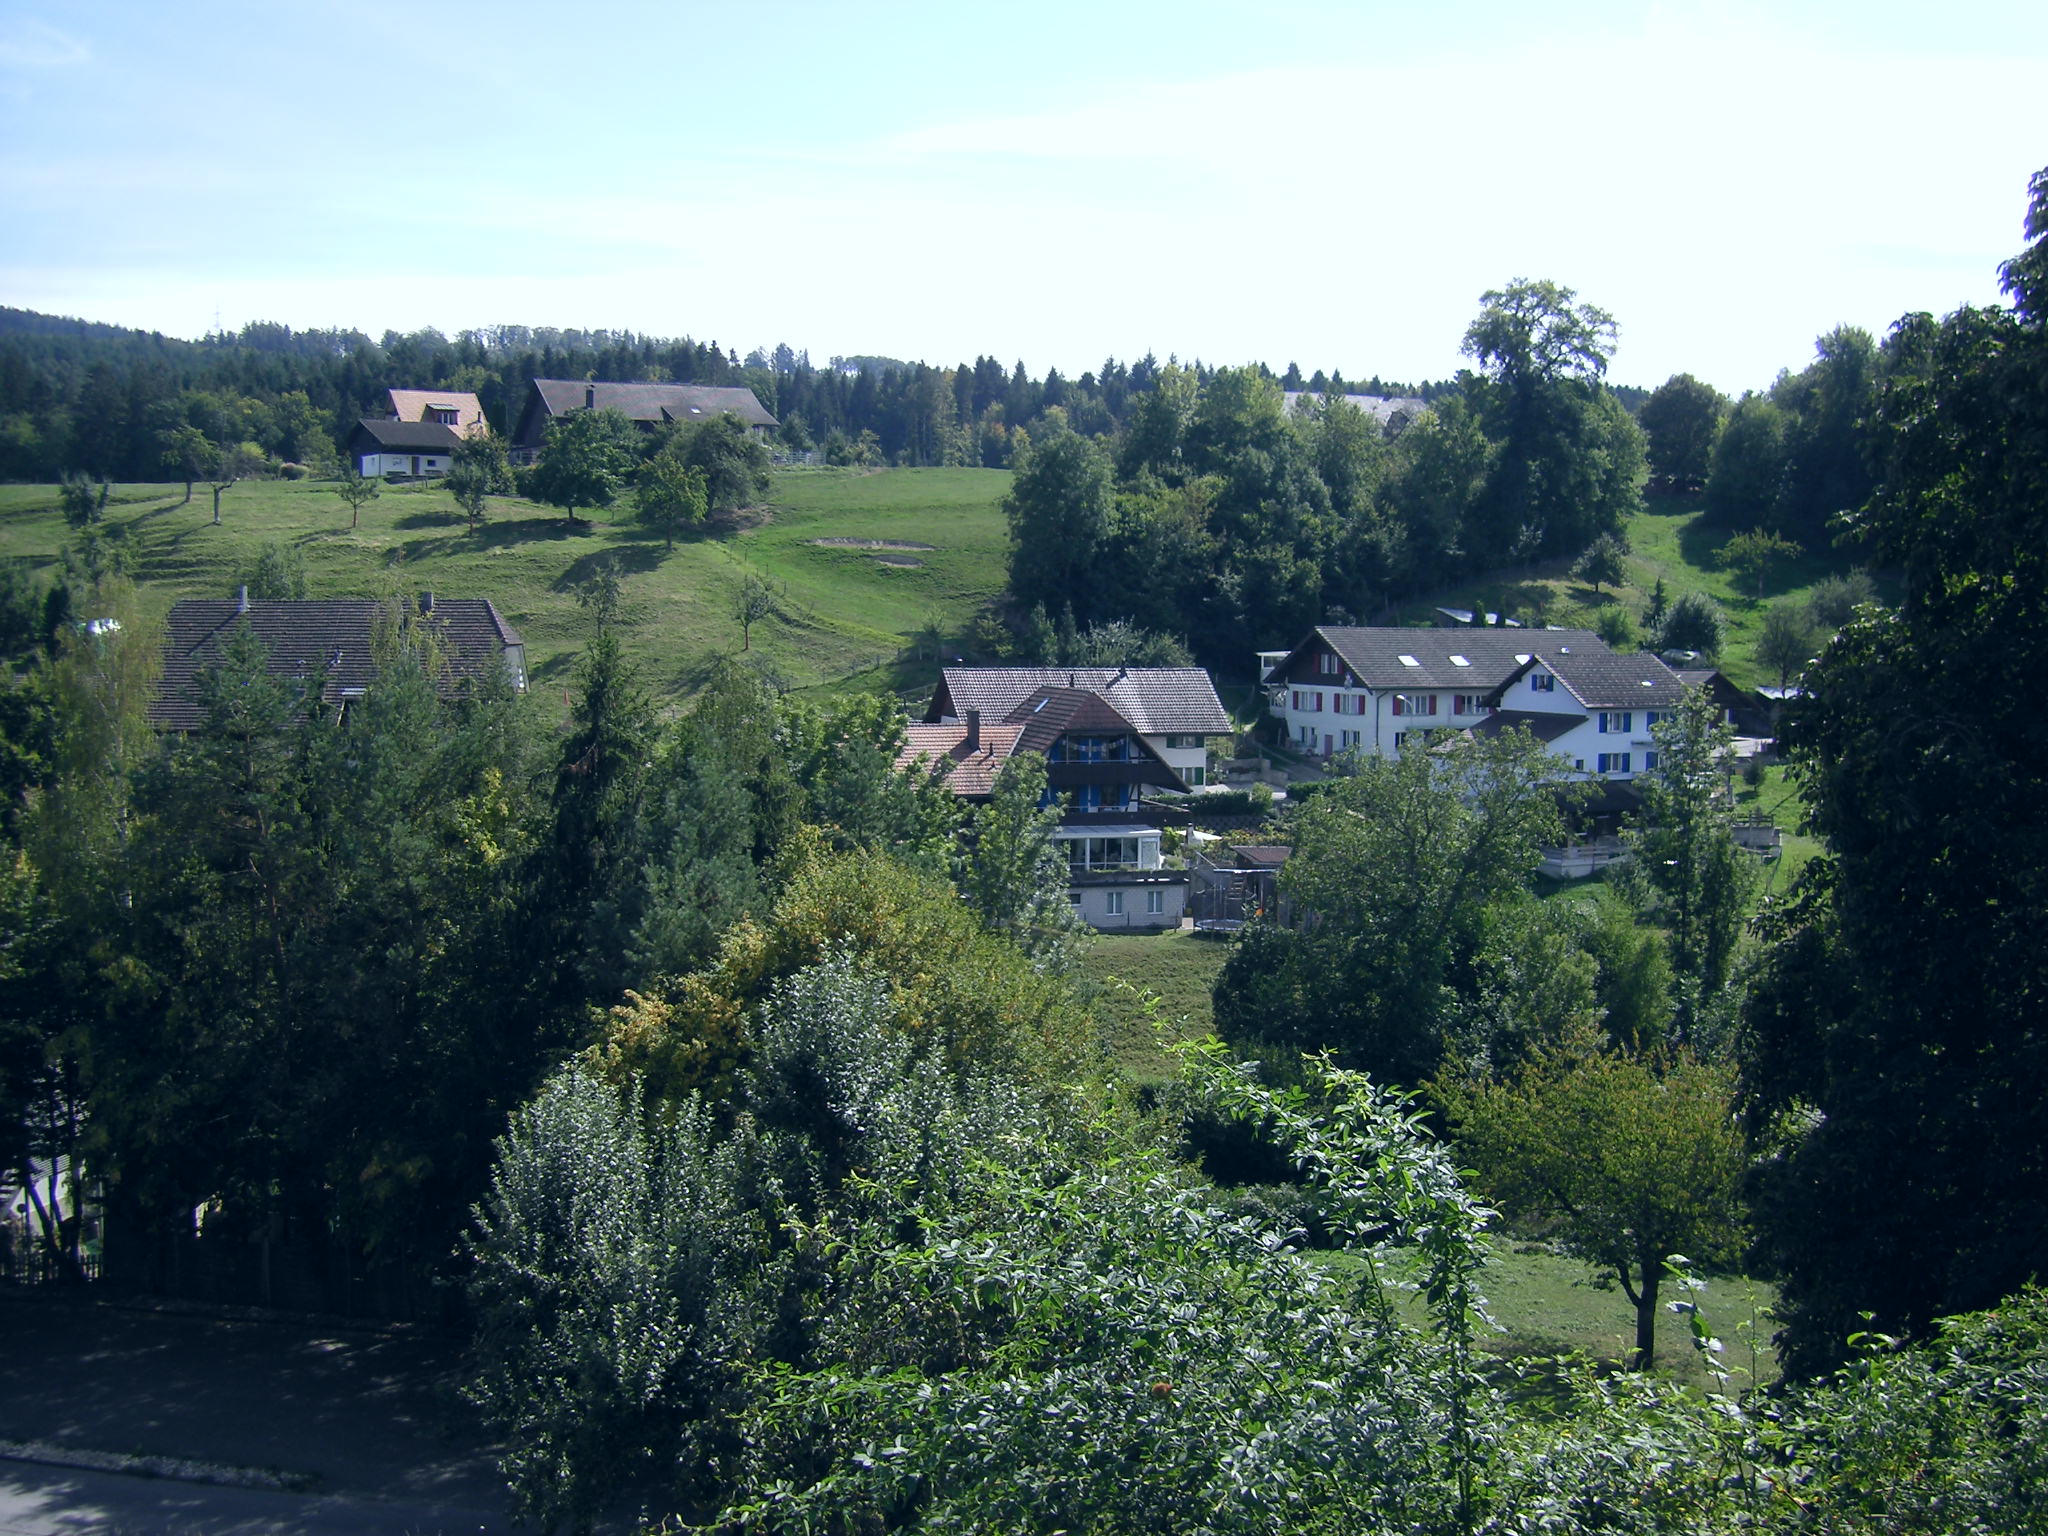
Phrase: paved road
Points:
(370, 1416)
(50, 1501)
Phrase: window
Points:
(1195, 776)
(1469, 704)
(1328, 664)
(1347, 739)
(1616, 720)
(1115, 900)
(1614, 762)
(1649, 762)
(1316, 702)
(1416, 704)
(1184, 743)
(1400, 741)
(1296, 699)
(1155, 903)
(1542, 682)
(1650, 718)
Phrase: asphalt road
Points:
(369, 1419)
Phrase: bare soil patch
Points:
(870, 544)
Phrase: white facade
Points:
(1156, 903)
(1609, 743)
(372, 465)
(1324, 719)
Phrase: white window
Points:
(1329, 664)
(1614, 721)
(1116, 903)
(1614, 762)
(1542, 682)
(1155, 903)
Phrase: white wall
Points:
(1096, 901)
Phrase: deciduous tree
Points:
(1633, 1159)
(356, 489)
(586, 460)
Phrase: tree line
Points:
(79, 397)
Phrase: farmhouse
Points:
(1107, 733)
(651, 406)
(1346, 689)
(328, 642)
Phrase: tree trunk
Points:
(1646, 1318)
(216, 504)
(1644, 1300)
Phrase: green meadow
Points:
(875, 573)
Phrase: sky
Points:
(1333, 184)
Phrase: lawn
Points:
(1670, 539)
(1177, 966)
(848, 614)
(1544, 1304)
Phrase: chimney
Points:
(973, 730)
(427, 601)
(241, 599)
(590, 397)
(1121, 674)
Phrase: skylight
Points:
(1459, 661)
(1410, 661)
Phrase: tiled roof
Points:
(1545, 728)
(1156, 701)
(1384, 409)
(970, 775)
(412, 404)
(305, 639)
(1381, 657)
(653, 402)
(1602, 679)
(408, 436)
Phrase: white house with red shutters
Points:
(1371, 690)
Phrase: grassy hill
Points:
(874, 570)
(1670, 539)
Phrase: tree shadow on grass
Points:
(438, 519)
(627, 560)
(500, 534)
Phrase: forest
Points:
(740, 1094)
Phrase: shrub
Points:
(1833, 600)
(1693, 622)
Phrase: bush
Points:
(1833, 600)
(1693, 622)
(291, 471)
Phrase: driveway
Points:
(365, 1422)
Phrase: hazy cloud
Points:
(30, 44)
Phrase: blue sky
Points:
(1329, 183)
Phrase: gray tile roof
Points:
(1545, 728)
(1491, 655)
(333, 636)
(653, 402)
(407, 436)
(1157, 701)
(1384, 409)
(1602, 679)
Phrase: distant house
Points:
(652, 406)
(1377, 690)
(1394, 413)
(444, 407)
(1107, 735)
(331, 640)
(421, 448)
